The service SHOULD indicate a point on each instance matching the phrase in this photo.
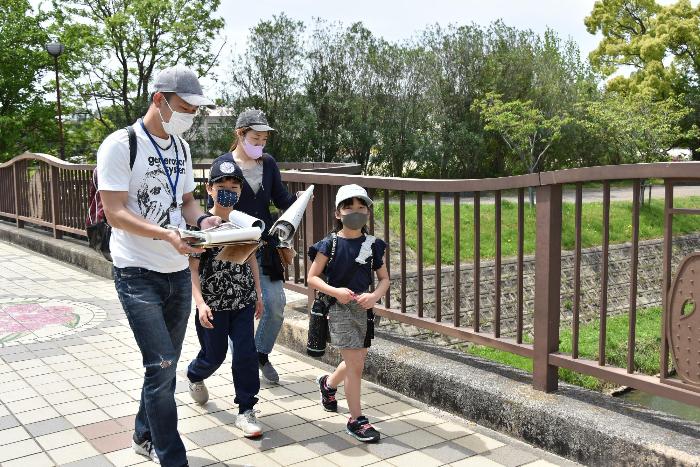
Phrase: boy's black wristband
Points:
(201, 218)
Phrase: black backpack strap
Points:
(132, 145)
(182, 145)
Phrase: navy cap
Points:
(224, 166)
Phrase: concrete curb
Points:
(582, 425)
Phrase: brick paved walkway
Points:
(70, 379)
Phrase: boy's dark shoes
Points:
(362, 430)
(330, 404)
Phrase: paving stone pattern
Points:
(70, 383)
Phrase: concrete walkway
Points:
(70, 379)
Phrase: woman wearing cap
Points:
(347, 259)
(262, 185)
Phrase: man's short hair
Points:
(168, 96)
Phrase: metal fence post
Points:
(547, 286)
(310, 225)
(55, 205)
(16, 183)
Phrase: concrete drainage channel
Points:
(581, 425)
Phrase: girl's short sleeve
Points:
(378, 254)
(324, 246)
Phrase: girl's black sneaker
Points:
(362, 430)
(327, 395)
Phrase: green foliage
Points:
(402, 109)
(662, 45)
(26, 120)
(524, 128)
(114, 48)
(635, 128)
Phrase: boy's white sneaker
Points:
(248, 422)
(144, 448)
(199, 392)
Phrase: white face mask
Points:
(179, 122)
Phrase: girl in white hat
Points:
(346, 259)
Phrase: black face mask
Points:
(355, 220)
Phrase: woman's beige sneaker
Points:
(199, 392)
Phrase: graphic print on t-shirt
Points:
(155, 195)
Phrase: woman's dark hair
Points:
(338, 225)
(234, 143)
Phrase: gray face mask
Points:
(355, 220)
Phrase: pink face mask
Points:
(253, 151)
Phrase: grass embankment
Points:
(650, 226)
(646, 356)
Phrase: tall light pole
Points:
(55, 49)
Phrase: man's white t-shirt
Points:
(150, 195)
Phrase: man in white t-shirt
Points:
(151, 271)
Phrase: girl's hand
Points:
(205, 315)
(344, 295)
(367, 300)
(259, 307)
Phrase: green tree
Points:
(526, 130)
(267, 76)
(635, 128)
(660, 43)
(114, 46)
(26, 120)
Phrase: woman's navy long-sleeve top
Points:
(272, 190)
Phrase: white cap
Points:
(351, 191)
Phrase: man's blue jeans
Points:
(270, 323)
(157, 306)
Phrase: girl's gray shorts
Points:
(347, 325)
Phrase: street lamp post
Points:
(55, 49)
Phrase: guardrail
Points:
(45, 191)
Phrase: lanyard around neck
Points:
(165, 168)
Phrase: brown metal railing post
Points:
(419, 258)
(632, 330)
(667, 257)
(438, 258)
(387, 251)
(476, 320)
(547, 286)
(604, 275)
(15, 177)
(402, 248)
(309, 232)
(575, 314)
(456, 250)
(55, 205)
(521, 247)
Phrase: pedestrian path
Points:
(71, 374)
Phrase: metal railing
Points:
(42, 190)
